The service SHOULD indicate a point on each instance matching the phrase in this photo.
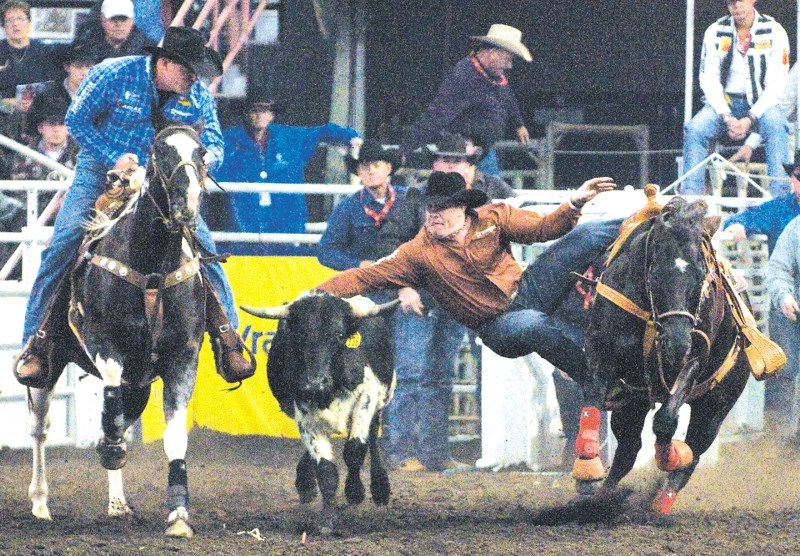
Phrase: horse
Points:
(662, 330)
(137, 313)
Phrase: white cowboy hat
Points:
(508, 38)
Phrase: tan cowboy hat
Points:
(508, 38)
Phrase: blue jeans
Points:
(707, 126)
(490, 164)
(779, 391)
(68, 232)
(426, 349)
(532, 323)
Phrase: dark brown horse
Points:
(138, 311)
(662, 330)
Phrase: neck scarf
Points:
(378, 216)
(501, 81)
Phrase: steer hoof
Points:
(677, 455)
(113, 454)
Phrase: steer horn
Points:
(364, 307)
(279, 312)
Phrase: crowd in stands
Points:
(470, 112)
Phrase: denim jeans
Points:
(532, 323)
(707, 126)
(780, 405)
(490, 164)
(68, 231)
(426, 349)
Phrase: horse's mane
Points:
(101, 223)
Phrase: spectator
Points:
(743, 70)
(783, 285)
(116, 35)
(772, 218)
(261, 151)
(22, 60)
(77, 63)
(475, 98)
(426, 351)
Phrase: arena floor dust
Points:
(747, 504)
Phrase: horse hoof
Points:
(41, 511)
(119, 508)
(588, 469)
(178, 524)
(586, 488)
(662, 504)
(677, 455)
(307, 495)
(113, 454)
(179, 529)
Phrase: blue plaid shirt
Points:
(110, 114)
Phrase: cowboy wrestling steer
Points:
(330, 368)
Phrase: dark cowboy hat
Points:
(454, 145)
(372, 151)
(259, 100)
(52, 110)
(448, 189)
(793, 165)
(187, 46)
(80, 54)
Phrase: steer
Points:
(330, 367)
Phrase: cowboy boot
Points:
(227, 345)
(31, 367)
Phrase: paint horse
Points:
(137, 310)
(662, 330)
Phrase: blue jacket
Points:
(352, 236)
(769, 218)
(289, 149)
(111, 112)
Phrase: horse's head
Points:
(676, 271)
(178, 164)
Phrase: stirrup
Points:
(31, 349)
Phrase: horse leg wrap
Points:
(662, 504)
(113, 419)
(587, 444)
(676, 455)
(177, 489)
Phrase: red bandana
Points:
(501, 81)
(379, 216)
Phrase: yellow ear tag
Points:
(353, 341)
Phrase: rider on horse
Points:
(113, 118)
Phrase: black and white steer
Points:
(330, 367)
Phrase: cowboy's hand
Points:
(737, 231)
(127, 161)
(365, 263)
(789, 308)
(410, 301)
(744, 153)
(522, 135)
(590, 189)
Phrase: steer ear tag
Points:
(353, 341)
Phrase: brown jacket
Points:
(474, 282)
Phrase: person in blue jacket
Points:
(261, 151)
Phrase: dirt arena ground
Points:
(748, 504)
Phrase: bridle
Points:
(166, 180)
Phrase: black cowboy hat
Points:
(187, 46)
(52, 110)
(454, 145)
(259, 100)
(80, 54)
(372, 151)
(448, 189)
(791, 167)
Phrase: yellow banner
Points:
(257, 282)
